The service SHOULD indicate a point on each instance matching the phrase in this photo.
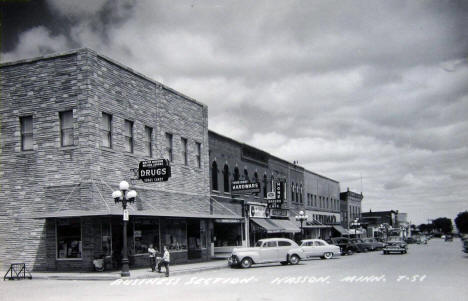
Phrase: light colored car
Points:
(267, 250)
(319, 248)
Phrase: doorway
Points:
(193, 238)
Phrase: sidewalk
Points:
(143, 273)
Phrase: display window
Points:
(146, 232)
(226, 234)
(175, 236)
(69, 238)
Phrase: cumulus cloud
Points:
(370, 93)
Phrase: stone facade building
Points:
(350, 206)
(73, 126)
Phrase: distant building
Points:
(350, 207)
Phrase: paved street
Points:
(437, 271)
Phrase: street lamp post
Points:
(301, 217)
(124, 196)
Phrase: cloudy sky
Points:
(371, 90)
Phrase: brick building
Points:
(303, 190)
(350, 206)
(73, 126)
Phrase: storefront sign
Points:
(244, 186)
(271, 195)
(125, 215)
(258, 211)
(279, 189)
(154, 170)
(279, 212)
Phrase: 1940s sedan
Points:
(319, 248)
(268, 250)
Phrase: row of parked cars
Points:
(286, 251)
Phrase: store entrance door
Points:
(193, 238)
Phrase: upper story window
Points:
(184, 150)
(292, 192)
(26, 132)
(198, 155)
(265, 186)
(66, 128)
(128, 133)
(300, 195)
(214, 175)
(236, 174)
(106, 130)
(169, 147)
(226, 178)
(149, 141)
(246, 174)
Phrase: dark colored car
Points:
(395, 244)
(360, 245)
(411, 240)
(448, 237)
(373, 244)
(346, 245)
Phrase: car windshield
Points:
(259, 243)
(394, 239)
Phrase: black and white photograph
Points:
(220, 150)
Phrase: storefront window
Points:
(106, 238)
(227, 234)
(146, 233)
(203, 234)
(69, 238)
(175, 236)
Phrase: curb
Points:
(94, 277)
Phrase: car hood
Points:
(236, 250)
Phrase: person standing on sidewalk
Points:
(165, 261)
(152, 257)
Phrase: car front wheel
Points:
(294, 259)
(328, 255)
(246, 263)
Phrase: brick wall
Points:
(51, 177)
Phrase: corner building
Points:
(73, 126)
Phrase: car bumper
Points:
(233, 261)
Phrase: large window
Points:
(146, 232)
(128, 134)
(175, 236)
(184, 150)
(106, 238)
(106, 130)
(198, 155)
(26, 132)
(66, 128)
(68, 238)
(226, 178)
(149, 141)
(227, 234)
(214, 175)
(169, 147)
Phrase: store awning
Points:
(340, 229)
(132, 212)
(267, 224)
(287, 225)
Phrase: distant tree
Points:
(443, 224)
(425, 228)
(461, 221)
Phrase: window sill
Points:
(68, 259)
(107, 149)
(68, 147)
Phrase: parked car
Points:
(346, 247)
(373, 243)
(268, 250)
(464, 239)
(360, 245)
(411, 240)
(319, 248)
(395, 244)
(448, 237)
